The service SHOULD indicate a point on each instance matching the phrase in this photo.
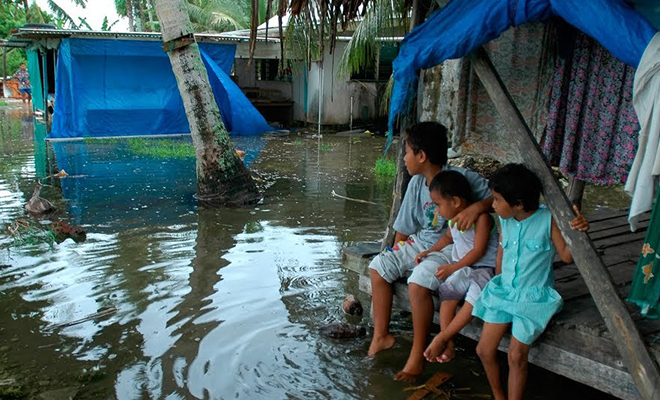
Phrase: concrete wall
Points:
(337, 93)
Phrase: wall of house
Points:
(337, 92)
(248, 78)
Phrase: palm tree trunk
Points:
(221, 176)
(27, 8)
(143, 20)
(129, 14)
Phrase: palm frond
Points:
(80, 3)
(61, 14)
(384, 106)
(217, 16)
(120, 7)
(380, 18)
(83, 22)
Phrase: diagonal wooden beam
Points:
(636, 358)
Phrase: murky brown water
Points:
(211, 304)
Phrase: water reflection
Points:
(210, 303)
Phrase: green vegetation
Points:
(26, 232)
(205, 15)
(161, 148)
(100, 140)
(385, 168)
(3, 103)
(326, 147)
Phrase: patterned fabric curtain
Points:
(592, 129)
(645, 289)
(452, 94)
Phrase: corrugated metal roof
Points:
(24, 36)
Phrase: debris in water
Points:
(433, 385)
(351, 199)
(90, 317)
(352, 305)
(340, 330)
(63, 231)
(26, 232)
(38, 205)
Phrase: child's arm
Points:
(580, 223)
(443, 242)
(400, 237)
(482, 229)
(468, 217)
(498, 260)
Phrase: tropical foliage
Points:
(207, 16)
(381, 19)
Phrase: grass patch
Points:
(326, 147)
(88, 140)
(385, 168)
(3, 103)
(161, 148)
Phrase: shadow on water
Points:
(210, 303)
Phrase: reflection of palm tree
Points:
(212, 237)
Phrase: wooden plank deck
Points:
(577, 343)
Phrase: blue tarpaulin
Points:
(463, 25)
(127, 87)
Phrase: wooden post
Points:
(575, 191)
(625, 335)
(419, 10)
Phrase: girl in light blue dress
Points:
(522, 294)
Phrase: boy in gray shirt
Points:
(418, 227)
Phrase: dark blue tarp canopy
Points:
(126, 87)
(463, 25)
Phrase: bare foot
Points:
(436, 349)
(379, 344)
(411, 371)
(449, 353)
(407, 377)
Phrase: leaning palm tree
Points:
(221, 176)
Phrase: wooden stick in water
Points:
(350, 199)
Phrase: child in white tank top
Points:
(473, 261)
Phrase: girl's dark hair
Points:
(451, 183)
(518, 185)
(431, 138)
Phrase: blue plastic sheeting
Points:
(238, 111)
(463, 25)
(127, 87)
(114, 185)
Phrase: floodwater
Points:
(210, 304)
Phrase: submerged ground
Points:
(203, 303)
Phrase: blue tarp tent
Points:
(126, 87)
(461, 26)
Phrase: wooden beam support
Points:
(419, 11)
(625, 335)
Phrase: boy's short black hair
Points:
(518, 185)
(451, 183)
(431, 138)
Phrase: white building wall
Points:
(337, 92)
